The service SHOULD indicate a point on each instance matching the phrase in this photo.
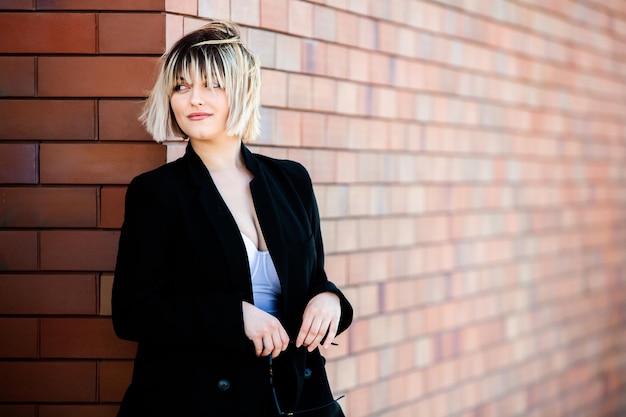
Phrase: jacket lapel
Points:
(264, 198)
(223, 223)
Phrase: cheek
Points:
(178, 110)
(225, 107)
(177, 114)
(176, 105)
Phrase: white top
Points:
(265, 283)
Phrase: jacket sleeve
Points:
(144, 307)
(319, 281)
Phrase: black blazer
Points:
(182, 273)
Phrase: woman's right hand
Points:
(265, 331)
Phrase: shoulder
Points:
(288, 177)
(161, 175)
(160, 181)
(292, 170)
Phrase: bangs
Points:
(204, 63)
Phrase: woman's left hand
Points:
(320, 319)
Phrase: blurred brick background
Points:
(469, 158)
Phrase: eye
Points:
(214, 85)
(180, 88)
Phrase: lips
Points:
(198, 116)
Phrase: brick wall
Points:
(469, 158)
(72, 76)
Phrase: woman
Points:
(220, 270)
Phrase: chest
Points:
(236, 194)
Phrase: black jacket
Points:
(182, 273)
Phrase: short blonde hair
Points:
(214, 52)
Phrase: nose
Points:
(196, 95)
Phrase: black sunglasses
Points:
(293, 413)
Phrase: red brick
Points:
(131, 33)
(19, 337)
(47, 119)
(106, 289)
(46, 410)
(367, 38)
(246, 12)
(274, 88)
(18, 250)
(97, 163)
(314, 57)
(346, 167)
(186, 7)
(17, 5)
(193, 23)
(17, 76)
(337, 135)
(379, 68)
(17, 410)
(300, 91)
(313, 129)
(359, 65)
(337, 59)
(48, 33)
(288, 53)
(288, 128)
(347, 29)
(114, 377)
(78, 250)
(135, 5)
(112, 207)
(118, 120)
(48, 207)
(82, 338)
(324, 94)
(263, 43)
(47, 294)
(274, 15)
(98, 76)
(388, 38)
(347, 97)
(47, 381)
(214, 9)
(174, 29)
(18, 163)
(324, 23)
(300, 18)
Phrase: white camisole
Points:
(265, 283)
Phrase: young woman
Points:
(220, 270)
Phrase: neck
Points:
(219, 156)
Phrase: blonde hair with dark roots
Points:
(215, 54)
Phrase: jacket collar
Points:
(226, 228)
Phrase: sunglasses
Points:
(293, 413)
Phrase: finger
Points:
(284, 338)
(332, 332)
(278, 344)
(313, 332)
(258, 346)
(304, 330)
(304, 336)
(322, 334)
(268, 346)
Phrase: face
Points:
(201, 110)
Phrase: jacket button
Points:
(223, 384)
(307, 373)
